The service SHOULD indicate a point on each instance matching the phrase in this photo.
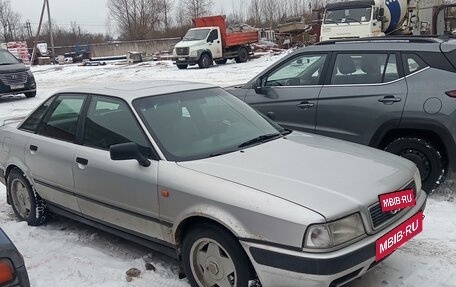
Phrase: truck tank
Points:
(394, 12)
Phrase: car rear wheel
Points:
(426, 156)
(213, 257)
(205, 61)
(30, 94)
(27, 204)
(182, 67)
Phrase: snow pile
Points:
(67, 253)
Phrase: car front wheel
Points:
(213, 257)
(30, 94)
(426, 156)
(27, 204)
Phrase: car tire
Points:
(30, 94)
(205, 61)
(243, 56)
(221, 62)
(212, 256)
(26, 203)
(182, 67)
(426, 156)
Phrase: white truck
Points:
(210, 41)
(373, 18)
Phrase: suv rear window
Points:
(412, 63)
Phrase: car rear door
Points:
(364, 92)
(49, 153)
(289, 92)
(120, 194)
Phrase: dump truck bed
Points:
(228, 39)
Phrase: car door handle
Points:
(82, 161)
(305, 105)
(389, 100)
(33, 148)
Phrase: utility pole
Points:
(38, 33)
(50, 31)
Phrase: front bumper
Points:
(277, 267)
(185, 60)
(29, 86)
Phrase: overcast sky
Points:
(91, 15)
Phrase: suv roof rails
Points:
(399, 39)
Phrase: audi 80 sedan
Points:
(192, 171)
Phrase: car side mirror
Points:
(258, 86)
(128, 151)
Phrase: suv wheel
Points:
(213, 257)
(425, 155)
(182, 66)
(27, 204)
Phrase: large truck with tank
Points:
(210, 41)
(374, 18)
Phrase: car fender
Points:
(201, 52)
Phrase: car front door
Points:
(365, 91)
(289, 93)
(50, 151)
(120, 194)
(215, 44)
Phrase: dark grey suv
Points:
(12, 268)
(15, 77)
(392, 93)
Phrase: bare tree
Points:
(136, 19)
(9, 21)
(255, 9)
(270, 11)
(167, 9)
(197, 8)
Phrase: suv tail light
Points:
(451, 93)
(6, 271)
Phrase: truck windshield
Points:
(348, 15)
(6, 58)
(196, 34)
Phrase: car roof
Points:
(138, 89)
(387, 43)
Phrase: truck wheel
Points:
(205, 61)
(221, 62)
(213, 257)
(182, 67)
(30, 94)
(243, 56)
(426, 156)
(27, 204)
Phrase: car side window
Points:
(110, 121)
(412, 63)
(33, 121)
(62, 120)
(353, 69)
(299, 71)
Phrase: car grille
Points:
(14, 78)
(182, 51)
(378, 217)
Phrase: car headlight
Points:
(29, 73)
(334, 233)
(193, 53)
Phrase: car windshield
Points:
(6, 58)
(348, 15)
(196, 34)
(203, 123)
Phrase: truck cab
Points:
(350, 20)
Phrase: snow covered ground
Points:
(67, 253)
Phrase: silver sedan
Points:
(191, 171)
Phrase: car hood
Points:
(13, 68)
(329, 176)
(184, 44)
